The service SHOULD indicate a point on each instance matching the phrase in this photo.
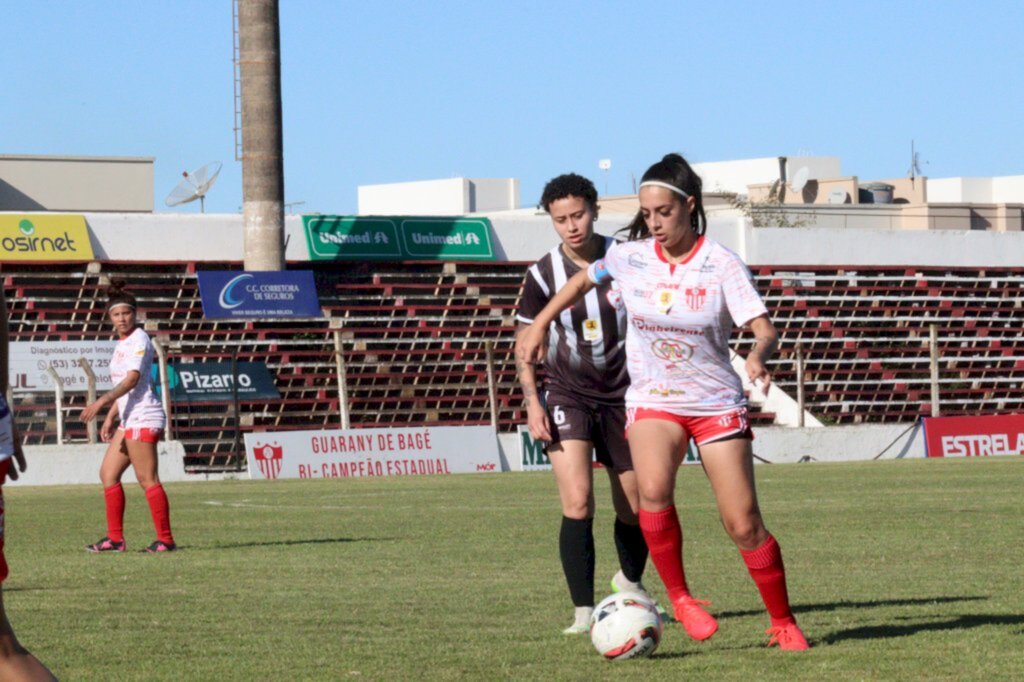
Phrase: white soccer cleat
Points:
(581, 624)
(620, 583)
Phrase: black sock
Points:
(576, 546)
(629, 541)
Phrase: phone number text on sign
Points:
(30, 361)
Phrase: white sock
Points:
(583, 614)
(626, 585)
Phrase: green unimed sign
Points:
(397, 238)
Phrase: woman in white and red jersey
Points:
(16, 663)
(683, 293)
(142, 424)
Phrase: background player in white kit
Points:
(582, 410)
(142, 424)
(683, 294)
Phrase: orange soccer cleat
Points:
(789, 637)
(698, 623)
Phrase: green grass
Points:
(897, 570)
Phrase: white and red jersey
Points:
(680, 319)
(139, 408)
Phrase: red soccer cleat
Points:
(788, 637)
(698, 623)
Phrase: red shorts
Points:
(702, 429)
(143, 435)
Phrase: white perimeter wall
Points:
(1005, 189)
(72, 464)
(782, 445)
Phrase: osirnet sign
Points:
(360, 453)
(31, 237)
(334, 238)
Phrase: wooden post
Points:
(90, 378)
(800, 400)
(492, 390)
(58, 390)
(339, 368)
(933, 342)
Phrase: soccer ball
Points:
(625, 625)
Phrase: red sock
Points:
(114, 498)
(769, 574)
(161, 511)
(665, 541)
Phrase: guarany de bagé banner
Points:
(26, 237)
(357, 453)
(331, 238)
(974, 436)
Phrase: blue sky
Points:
(398, 91)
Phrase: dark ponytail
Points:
(674, 170)
(118, 295)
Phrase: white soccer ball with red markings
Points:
(625, 625)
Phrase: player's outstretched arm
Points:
(530, 342)
(111, 396)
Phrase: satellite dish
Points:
(837, 196)
(194, 186)
(799, 179)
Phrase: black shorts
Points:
(573, 417)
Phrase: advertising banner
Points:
(30, 359)
(974, 436)
(258, 295)
(533, 458)
(44, 238)
(397, 238)
(213, 382)
(372, 452)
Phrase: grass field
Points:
(898, 570)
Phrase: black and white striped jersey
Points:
(586, 343)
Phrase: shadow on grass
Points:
(874, 603)
(288, 543)
(889, 630)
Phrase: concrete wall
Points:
(74, 464)
(735, 176)
(452, 196)
(1006, 189)
(76, 184)
(782, 445)
(525, 235)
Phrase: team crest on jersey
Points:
(695, 297)
(663, 300)
(592, 330)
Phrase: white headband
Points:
(118, 304)
(659, 183)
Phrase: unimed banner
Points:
(974, 436)
(357, 453)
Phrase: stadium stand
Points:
(414, 338)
